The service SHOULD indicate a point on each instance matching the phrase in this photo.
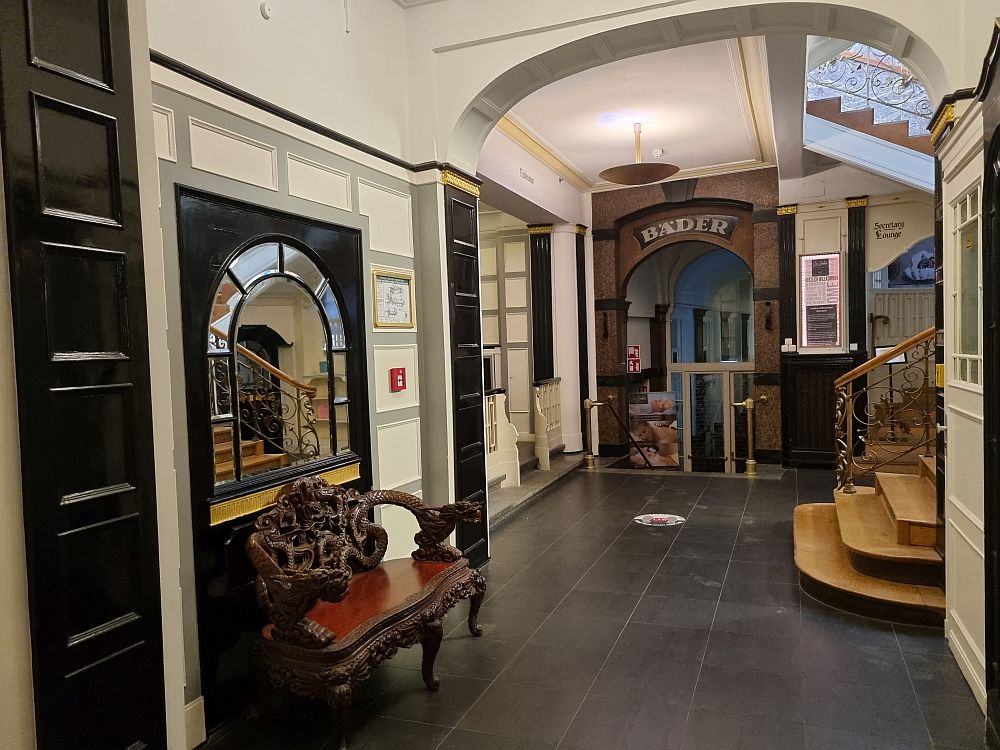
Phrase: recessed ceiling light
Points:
(625, 117)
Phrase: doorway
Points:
(691, 308)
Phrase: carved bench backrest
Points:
(309, 544)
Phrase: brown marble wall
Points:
(758, 187)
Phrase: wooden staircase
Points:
(863, 120)
(254, 459)
(873, 550)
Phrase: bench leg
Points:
(340, 700)
(475, 602)
(431, 644)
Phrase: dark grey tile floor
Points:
(604, 634)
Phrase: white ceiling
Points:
(705, 105)
(411, 3)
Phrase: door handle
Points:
(941, 429)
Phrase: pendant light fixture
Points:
(639, 173)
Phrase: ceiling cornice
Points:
(414, 3)
(519, 132)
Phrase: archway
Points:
(690, 315)
(543, 61)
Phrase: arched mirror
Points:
(277, 364)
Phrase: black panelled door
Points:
(462, 228)
(72, 201)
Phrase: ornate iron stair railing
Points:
(883, 416)
(276, 407)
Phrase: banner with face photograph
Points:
(653, 426)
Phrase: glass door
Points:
(742, 389)
(708, 416)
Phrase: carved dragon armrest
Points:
(286, 597)
(436, 524)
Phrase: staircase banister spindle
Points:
(265, 365)
(884, 357)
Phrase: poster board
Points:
(652, 418)
(820, 301)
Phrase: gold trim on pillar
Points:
(244, 506)
(581, 229)
(788, 210)
(945, 117)
(859, 202)
(540, 229)
(461, 182)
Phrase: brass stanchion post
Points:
(749, 406)
(588, 457)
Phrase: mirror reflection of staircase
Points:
(254, 459)
(874, 549)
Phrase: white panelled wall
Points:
(964, 515)
(566, 332)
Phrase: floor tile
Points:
(539, 714)
(954, 721)
(751, 692)
(624, 723)
(742, 570)
(676, 611)
(921, 640)
(701, 550)
(716, 730)
(569, 631)
(826, 738)
(767, 653)
(466, 657)
(643, 672)
(607, 605)
(754, 619)
(761, 592)
(628, 574)
(864, 709)
(409, 699)
(537, 598)
(502, 624)
(461, 739)
(552, 667)
(378, 733)
(776, 552)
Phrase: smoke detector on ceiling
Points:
(657, 153)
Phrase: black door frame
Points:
(71, 185)
(211, 230)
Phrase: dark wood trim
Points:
(612, 449)
(786, 277)
(582, 320)
(764, 293)
(602, 235)
(767, 378)
(465, 321)
(542, 343)
(765, 215)
(990, 96)
(216, 84)
(81, 364)
(611, 303)
(767, 456)
(659, 208)
(857, 298)
(991, 66)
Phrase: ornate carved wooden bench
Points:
(335, 609)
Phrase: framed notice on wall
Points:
(820, 301)
(392, 292)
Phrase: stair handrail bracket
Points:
(885, 415)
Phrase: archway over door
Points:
(555, 52)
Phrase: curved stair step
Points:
(912, 502)
(866, 529)
(821, 556)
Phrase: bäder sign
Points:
(716, 225)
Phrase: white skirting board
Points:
(194, 722)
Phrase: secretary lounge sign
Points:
(713, 225)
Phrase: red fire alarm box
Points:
(397, 379)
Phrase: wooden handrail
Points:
(281, 375)
(871, 364)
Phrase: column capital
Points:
(789, 210)
(857, 202)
